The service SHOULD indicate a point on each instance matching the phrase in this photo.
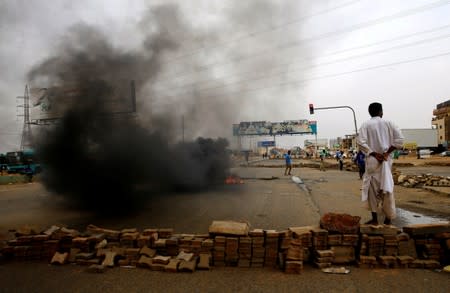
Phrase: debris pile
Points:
(234, 244)
(420, 180)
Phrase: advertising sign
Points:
(288, 127)
(52, 102)
(266, 143)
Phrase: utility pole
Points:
(25, 141)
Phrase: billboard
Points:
(266, 143)
(288, 127)
(52, 102)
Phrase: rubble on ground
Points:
(234, 244)
(420, 180)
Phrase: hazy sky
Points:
(252, 60)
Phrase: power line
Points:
(366, 24)
(298, 82)
(271, 29)
(325, 63)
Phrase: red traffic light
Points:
(311, 109)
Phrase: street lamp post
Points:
(312, 109)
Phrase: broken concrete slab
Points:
(427, 229)
(229, 228)
(379, 229)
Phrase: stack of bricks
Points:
(165, 233)
(294, 257)
(245, 251)
(219, 250)
(304, 235)
(128, 237)
(375, 245)
(185, 243)
(271, 248)
(160, 246)
(431, 244)
(390, 245)
(231, 251)
(172, 247)
(323, 258)
(196, 244)
(367, 262)
(425, 246)
(285, 241)
(207, 246)
(151, 234)
(20, 248)
(319, 239)
(406, 246)
(132, 255)
(81, 243)
(258, 250)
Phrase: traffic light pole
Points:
(339, 107)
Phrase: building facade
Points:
(441, 121)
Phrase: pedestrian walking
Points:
(288, 159)
(322, 162)
(378, 138)
(360, 160)
(340, 158)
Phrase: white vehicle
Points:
(445, 154)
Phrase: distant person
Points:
(2, 169)
(378, 138)
(340, 158)
(322, 162)
(360, 160)
(29, 173)
(246, 154)
(288, 159)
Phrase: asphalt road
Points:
(267, 199)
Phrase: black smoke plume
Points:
(207, 77)
(106, 161)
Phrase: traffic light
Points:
(311, 109)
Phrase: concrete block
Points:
(109, 259)
(188, 266)
(59, 258)
(172, 266)
(145, 261)
(96, 269)
(147, 251)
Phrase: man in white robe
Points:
(377, 138)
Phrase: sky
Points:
(236, 61)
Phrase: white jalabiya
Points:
(377, 135)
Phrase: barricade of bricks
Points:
(288, 250)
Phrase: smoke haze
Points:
(94, 158)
